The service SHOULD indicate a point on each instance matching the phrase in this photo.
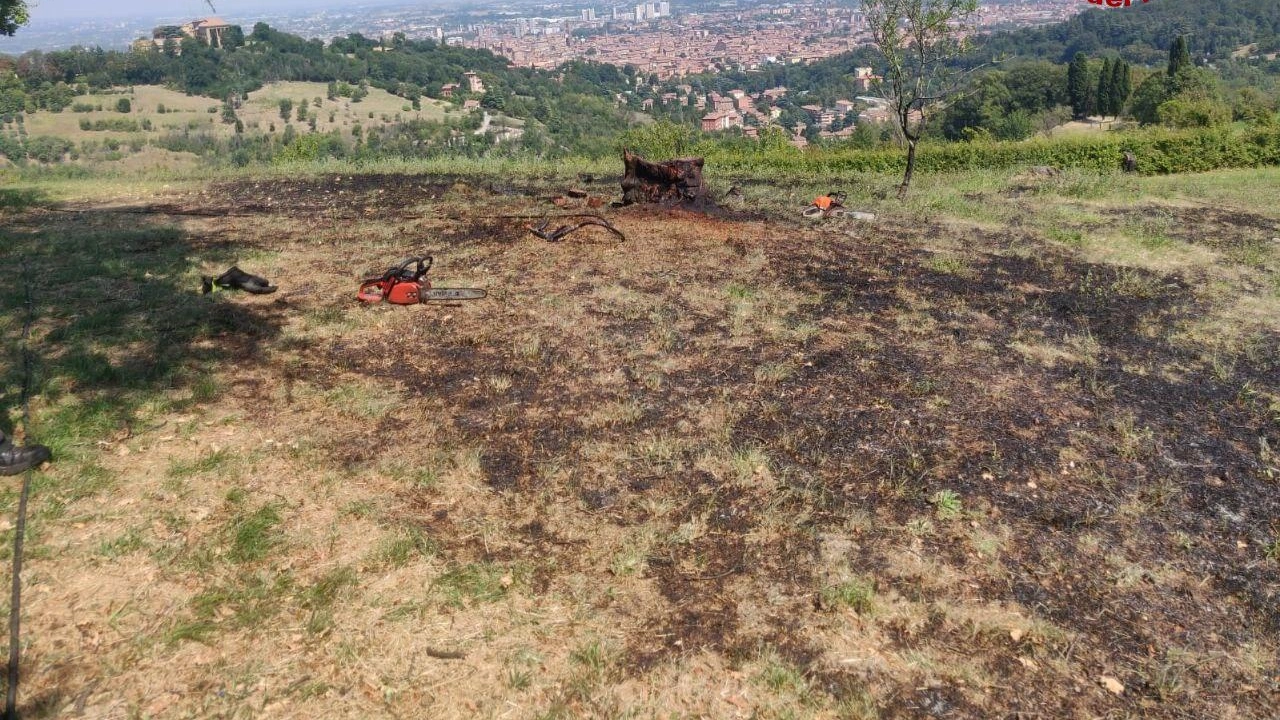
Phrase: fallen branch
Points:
(560, 232)
(445, 654)
(539, 216)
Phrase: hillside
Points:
(1010, 449)
(573, 109)
(1142, 33)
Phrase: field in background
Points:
(259, 112)
(131, 151)
(1010, 448)
(1081, 127)
(262, 108)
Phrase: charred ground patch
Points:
(1239, 236)
(362, 196)
(1047, 393)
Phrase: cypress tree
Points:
(1103, 95)
(1119, 86)
(1179, 56)
(1078, 85)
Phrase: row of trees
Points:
(1183, 95)
(267, 55)
(923, 47)
(1104, 92)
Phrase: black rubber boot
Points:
(241, 280)
(14, 460)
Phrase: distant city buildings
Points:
(721, 120)
(652, 11)
(864, 78)
(565, 22)
(650, 38)
(646, 36)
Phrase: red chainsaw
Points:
(407, 284)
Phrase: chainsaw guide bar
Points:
(451, 294)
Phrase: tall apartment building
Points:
(648, 11)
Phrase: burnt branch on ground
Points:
(560, 232)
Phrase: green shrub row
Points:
(1158, 152)
(117, 124)
(43, 148)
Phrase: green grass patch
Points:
(401, 547)
(128, 542)
(320, 597)
(207, 463)
(473, 583)
(947, 504)
(779, 676)
(949, 265)
(1067, 236)
(857, 594)
(251, 600)
(251, 536)
(22, 198)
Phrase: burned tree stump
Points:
(671, 182)
(1130, 162)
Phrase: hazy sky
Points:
(62, 9)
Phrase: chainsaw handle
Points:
(372, 290)
(424, 264)
(421, 265)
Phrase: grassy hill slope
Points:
(1010, 448)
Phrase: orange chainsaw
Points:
(407, 284)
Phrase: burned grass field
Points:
(1012, 456)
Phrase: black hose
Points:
(20, 531)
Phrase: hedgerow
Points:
(1158, 152)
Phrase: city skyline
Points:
(659, 36)
(70, 9)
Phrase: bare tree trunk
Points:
(911, 168)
